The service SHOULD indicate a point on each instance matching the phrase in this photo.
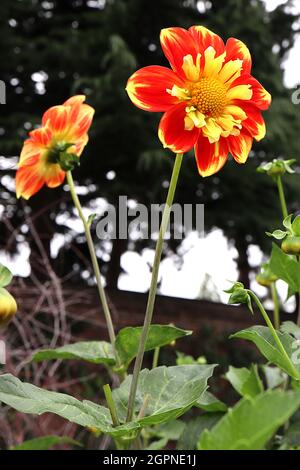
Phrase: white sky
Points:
(211, 256)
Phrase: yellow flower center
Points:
(208, 96)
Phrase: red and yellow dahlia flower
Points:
(210, 99)
(55, 147)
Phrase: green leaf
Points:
(296, 225)
(245, 381)
(194, 429)
(96, 352)
(45, 443)
(91, 219)
(209, 403)
(28, 398)
(5, 276)
(262, 337)
(291, 439)
(166, 432)
(287, 223)
(252, 422)
(285, 268)
(291, 328)
(171, 392)
(274, 376)
(278, 234)
(128, 339)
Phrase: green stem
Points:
(95, 264)
(111, 405)
(298, 319)
(273, 332)
(282, 197)
(276, 306)
(153, 286)
(155, 357)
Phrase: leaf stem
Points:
(298, 319)
(111, 405)
(274, 333)
(281, 197)
(95, 264)
(155, 357)
(153, 286)
(276, 306)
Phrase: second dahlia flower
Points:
(210, 99)
(54, 148)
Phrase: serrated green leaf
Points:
(245, 381)
(262, 337)
(209, 403)
(28, 398)
(194, 429)
(96, 352)
(252, 422)
(291, 328)
(45, 443)
(5, 276)
(128, 339)
(285, 268)
(171, 392)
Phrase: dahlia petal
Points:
(29, 181)
(235, 111)
(75, 100)
(30, 153)
(240, 146)
(212, 130)
(205, 38)
(212, 64)
(239, 92)
(254, 123)
(210, 157)
(230, 71)
(54, 176)
(57, 118)
(236, 49)
(147, 88)
(176, 44)
(260, 96)
(42, 136)
(81, 123)
(172, 132)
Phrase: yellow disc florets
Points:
(208, 95)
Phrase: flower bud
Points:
(291, 245)
(8, 307)
(266, 277)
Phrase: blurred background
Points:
(50, 50)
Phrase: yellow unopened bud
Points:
(8, 307)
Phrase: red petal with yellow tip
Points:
(29, 154)
(41, 137)
(172, 133)
(28, 181)
(260, 97)
(236, 49)
(210, 157)
(176, 44)
(57, 119)
(75, 100)
(147, 88)
(240, 146)
(205, 38)
(254, 123)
